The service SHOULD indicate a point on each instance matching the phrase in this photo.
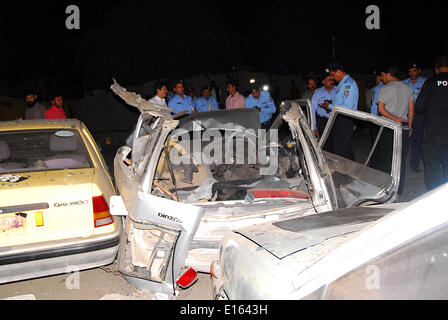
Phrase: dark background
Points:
(137, 41)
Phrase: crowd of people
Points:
(420, 105)
(36, 110)
(183, 101)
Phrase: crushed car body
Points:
(185, 183)
(379, 252)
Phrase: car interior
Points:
(214, 179)
(40, 150)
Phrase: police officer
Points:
(207, 102)
(261, 100)
(416, 82)
(433, 103)
(180, 102)
(320, 115)
(346, 96)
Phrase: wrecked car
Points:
(377, 252)
(54, 212)
(184, 183)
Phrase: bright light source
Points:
(265, 87)
(252, 81)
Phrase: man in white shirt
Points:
(161, 92)
(159, 100)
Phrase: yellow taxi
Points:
(54, 200)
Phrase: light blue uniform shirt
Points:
(416, 87)
(264, 102)
(320, 95)
(178, 104)
(201, 104)
(346, 94)
(376, 92)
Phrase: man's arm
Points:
(382, 110)
(314, 107)
(192, 105)
(250, 102)
(410, 116)
(384, 95)
(269, 105)
(173, 106)
(214, 103)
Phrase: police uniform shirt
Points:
(346, 94)
(417, 86)
(376, 92)
(264, 102)
(320, 95)
(201, 104)
(178, 104)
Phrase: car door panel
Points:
(157, 237)
(356, 182)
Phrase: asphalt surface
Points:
(107, 283)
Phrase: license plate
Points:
(10, 222)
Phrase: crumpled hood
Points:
(287, 237)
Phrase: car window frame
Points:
(382, 122)
(80, 138)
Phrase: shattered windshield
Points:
(41, 150)
(226, 164)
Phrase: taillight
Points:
(101, 214)
(187, 279)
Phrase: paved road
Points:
(95, 284)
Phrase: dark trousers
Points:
(321, 123)
(435, 159)
(339, 140)
(386, 149)
(416, 141)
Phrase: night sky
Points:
(138, 41)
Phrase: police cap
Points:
(413, 64)
(254, 87)
(334, 66)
